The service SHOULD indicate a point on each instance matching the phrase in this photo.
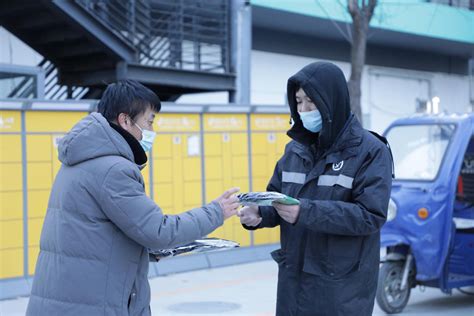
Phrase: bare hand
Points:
(249, 216)
(228, 202)
(288, 212)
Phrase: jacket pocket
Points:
(328, 270)
(317, 266)
(132, 300)
(279, 256)
(344, 254)
(127, 298)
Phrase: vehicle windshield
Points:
(418, 150)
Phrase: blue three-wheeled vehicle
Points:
(429, 235)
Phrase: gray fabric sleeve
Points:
(125, 203)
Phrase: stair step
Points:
(72, 49)
(55, 35)
(40, 20)
(86, 62)
(40, 28)
(16, 8)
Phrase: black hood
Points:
(326, 85)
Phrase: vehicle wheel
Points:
(467, 290)
(390, 297)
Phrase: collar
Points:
(350, 136)
(137, 150)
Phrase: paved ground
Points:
(250, 289)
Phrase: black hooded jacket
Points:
(325, 84)
(329, 259)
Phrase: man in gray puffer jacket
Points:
(100, 224)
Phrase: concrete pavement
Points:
(250, 289)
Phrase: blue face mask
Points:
(148, 137)
(312, 120)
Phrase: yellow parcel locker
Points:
(11, 234)
(44, 129)
(33, 253)
(11, 183)
(268, 144)
(177, 162)
(10, 147)
(11, 205)
(11, 195)
(192, 171)
(11, 263)
(11, 248)
(11, 151)
(10, 121)
(226, 165)
(52, 121)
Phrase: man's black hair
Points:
(127, 96)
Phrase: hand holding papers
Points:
(266, 199)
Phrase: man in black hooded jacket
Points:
(341, 173)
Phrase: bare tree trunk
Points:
(361, 13)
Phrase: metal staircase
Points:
(174, 46)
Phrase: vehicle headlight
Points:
(392, 211)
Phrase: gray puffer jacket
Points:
(93, 256)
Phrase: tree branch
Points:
(353, 7)
(347, 36)
(361, 12)
(370, 10)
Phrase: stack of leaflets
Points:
(199, 245)
(266, 198)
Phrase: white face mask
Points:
(148, 137)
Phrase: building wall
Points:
(387, 93)
(15, 52)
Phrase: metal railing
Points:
(25, 89)
(53, 90)
(181, 34)
(24, 82)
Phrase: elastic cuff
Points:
(251, 227)
(304, 211)
(267, 213)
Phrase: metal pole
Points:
(24, 164)
(241, 48)
(40, 84)
(249, 144)
(203, 160)
(133, 31)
